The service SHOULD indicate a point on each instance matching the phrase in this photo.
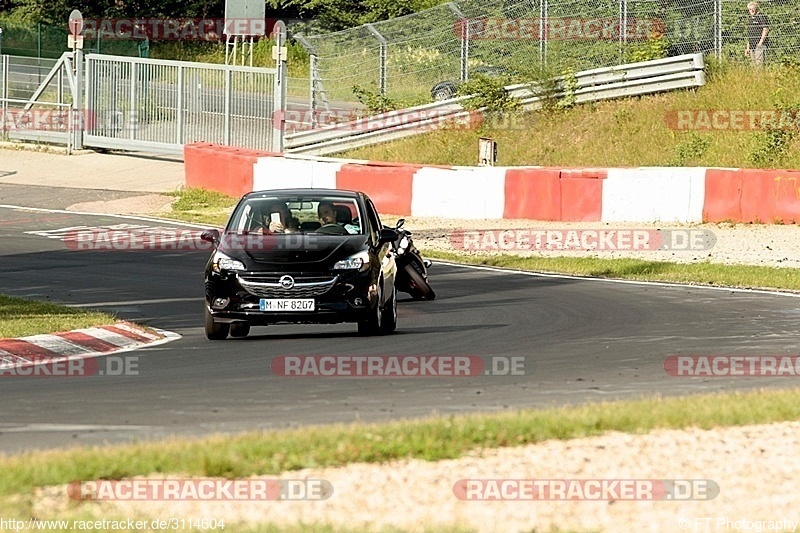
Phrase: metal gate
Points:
(139, 104)
(159, 105)
(37, 98)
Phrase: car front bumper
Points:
(346, 296)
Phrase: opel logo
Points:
(287, 282)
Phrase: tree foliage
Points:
(55, 12)
(330, 14)
(335, 15)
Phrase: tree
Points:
(335, 15)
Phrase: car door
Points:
(383, 251)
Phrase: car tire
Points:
(443, 91)
(374, 324)
(389, 323)
(214, 330)
(239, 330)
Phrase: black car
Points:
(278, 261)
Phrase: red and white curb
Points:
(86, 343)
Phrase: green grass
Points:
(629, 132)
(201, 206)
(20, 318)
(746, 276)
(269, 453)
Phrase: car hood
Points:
(291, 250)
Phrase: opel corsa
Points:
(302, 256)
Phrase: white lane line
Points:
(112, 215)
(68, 427)
(476, 267)
(137, 302)
(624, 281)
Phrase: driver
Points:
(327, 215)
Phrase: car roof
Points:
(304, 192)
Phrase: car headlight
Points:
(223, 262)
(359, 261)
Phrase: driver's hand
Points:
(276, 227)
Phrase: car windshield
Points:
(323, 214)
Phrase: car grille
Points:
(304, 286)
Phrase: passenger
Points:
(286, 224)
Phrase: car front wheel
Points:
(373, 325)
(389, 323)
(215, 331)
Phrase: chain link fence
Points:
(407, 57)
(784, 21)
(43, 41)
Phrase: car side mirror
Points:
(210, 235)
(388, 235)
(400, 223)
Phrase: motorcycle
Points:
(412, 269)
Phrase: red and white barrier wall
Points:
(647, 194)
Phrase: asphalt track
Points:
(581, 340)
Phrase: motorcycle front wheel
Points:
(419, 288)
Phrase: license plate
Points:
(286, 304)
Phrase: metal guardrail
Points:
(588, 86)
(633, 79)
(392, 121)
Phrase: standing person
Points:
(757, 30)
